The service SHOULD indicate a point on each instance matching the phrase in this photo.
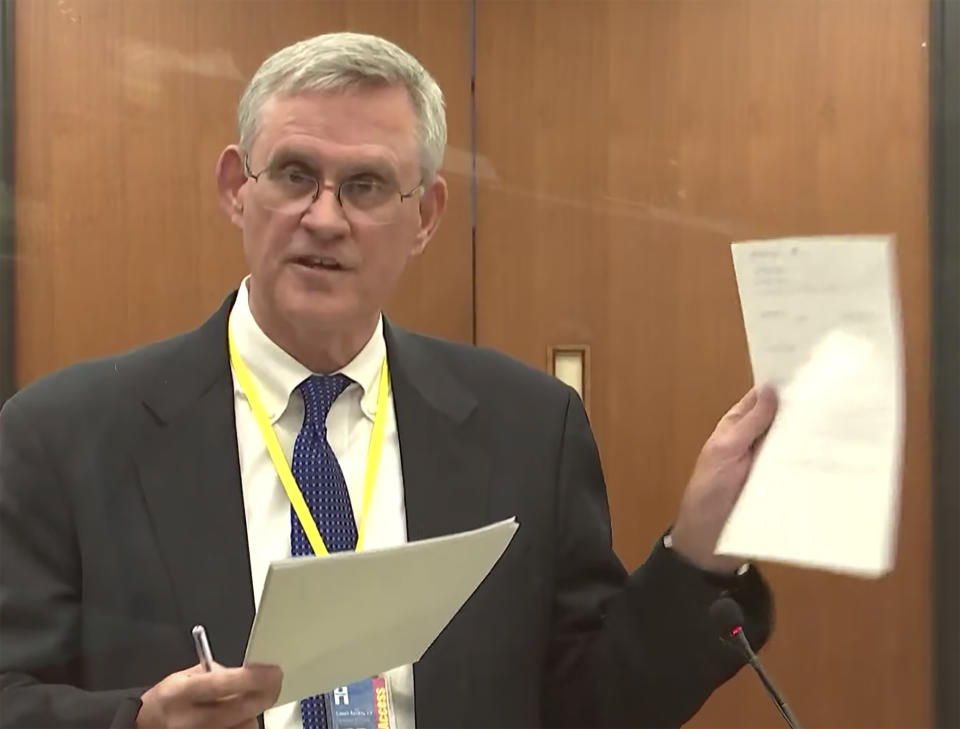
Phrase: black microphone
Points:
(727, 617)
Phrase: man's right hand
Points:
(224, 698)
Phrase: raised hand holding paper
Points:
(822, 318)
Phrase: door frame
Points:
(7, 203)
(945, 354)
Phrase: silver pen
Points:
(202, 645)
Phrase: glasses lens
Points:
(291, 190)
(287, 189)
(370, 200)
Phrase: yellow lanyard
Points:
(374, 451)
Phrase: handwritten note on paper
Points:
(822, 318)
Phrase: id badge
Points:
(365, 704)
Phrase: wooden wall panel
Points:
(622, 146)
(122, 110)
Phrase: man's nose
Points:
(326, 212)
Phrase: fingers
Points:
(216, 685)
(193, 670)
(749, 419)
(744, 406)
(238, 710)
(227, 697)
(758, 419)
(224, 697)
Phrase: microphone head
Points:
(727, 617)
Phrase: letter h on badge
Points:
(341, 693)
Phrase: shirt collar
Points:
(277, 373)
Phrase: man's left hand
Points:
(718, 478)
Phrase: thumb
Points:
(743, 407)
(758, 419)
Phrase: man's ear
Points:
(230, 182)
(432, 204)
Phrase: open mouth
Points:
(321, 263)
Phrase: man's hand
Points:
(718, 478)
(225, 698)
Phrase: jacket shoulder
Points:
(492, 373)
(95, 382)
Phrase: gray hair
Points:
(342, 61)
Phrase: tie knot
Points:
(319, 393)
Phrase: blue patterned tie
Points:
(318, 474)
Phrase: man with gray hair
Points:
(148, 492)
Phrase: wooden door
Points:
(122, 109)
(622, 146)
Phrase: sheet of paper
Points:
(330, 621)
(822, 318)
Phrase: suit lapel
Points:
(189, 471)
(190, 475)
(445, 481)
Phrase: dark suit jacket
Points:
(122, 525)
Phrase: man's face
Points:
(332, 267)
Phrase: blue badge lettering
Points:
(361, 705)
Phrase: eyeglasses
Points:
(290, 188)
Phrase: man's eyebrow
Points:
(285, 156)
(350, 168)
(366, 167)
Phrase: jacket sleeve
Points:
(631, 650)
(41, 667)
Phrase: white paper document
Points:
(822, 318)
(330, 621)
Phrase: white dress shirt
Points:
(349, 426)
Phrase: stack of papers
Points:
(330, 621)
